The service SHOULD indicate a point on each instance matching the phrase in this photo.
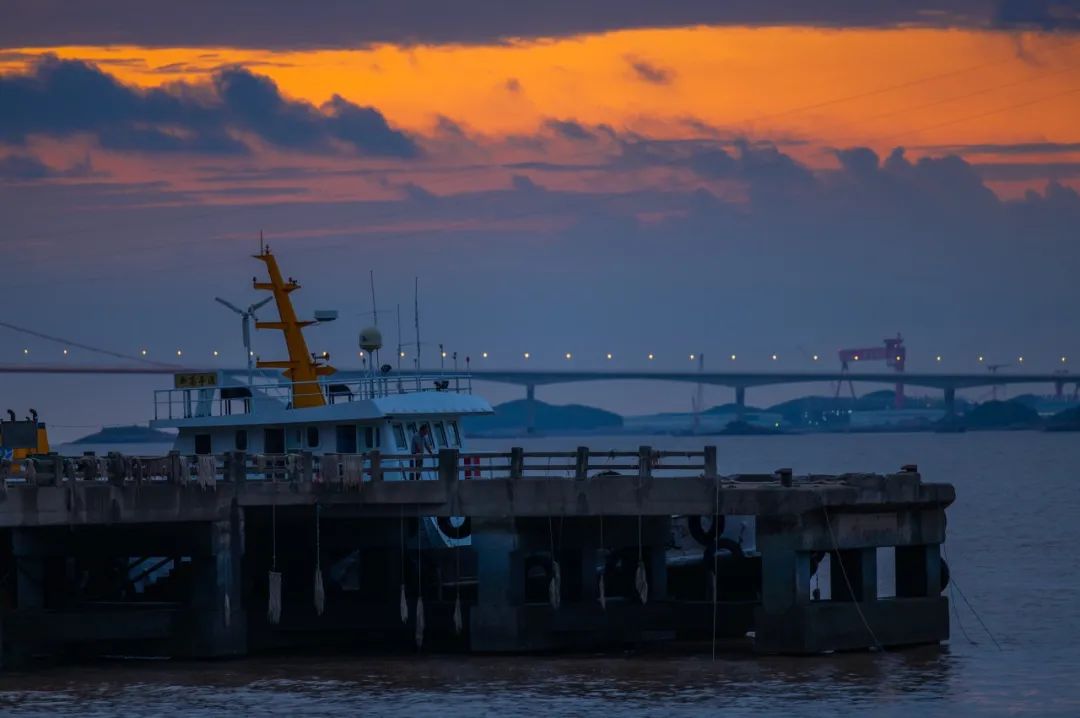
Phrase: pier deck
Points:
(170, 554)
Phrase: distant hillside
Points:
(1002, 415)
(1068, 420)
(514, 416)
(127, 435)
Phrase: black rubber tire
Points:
(452, 531)
(697, 530)
(723, 544)
(945, 575)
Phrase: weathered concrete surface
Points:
(837, 626)
(75, 503)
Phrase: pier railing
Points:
(353, 469)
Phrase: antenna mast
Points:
(416, 323)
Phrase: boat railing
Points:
(226, 400)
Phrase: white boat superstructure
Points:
(309, 412)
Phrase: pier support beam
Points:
(740, 400)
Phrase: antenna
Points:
(399, 338)
(374, 306)
(416, 323)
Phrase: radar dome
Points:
(371, 339)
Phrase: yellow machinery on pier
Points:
(20, 440)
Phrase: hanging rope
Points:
(419, 581)
(953, 583)
(404, 601)
(555, 585)
(603, 570)
(641, 581)
(712, 573)
(320, 593)
(273, 608)
(847, 581)
(458, 623)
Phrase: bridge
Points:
(740, 381)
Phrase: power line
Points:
(87, 347)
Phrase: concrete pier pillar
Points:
(500, 577)
(218, 624)
(857, 567)
(918, 571)
(740, 399)
(29, 569)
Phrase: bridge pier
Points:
(740, 400)
(950, 401)
(530, 408)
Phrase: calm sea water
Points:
(1013, 545)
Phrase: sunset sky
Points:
(741, 177)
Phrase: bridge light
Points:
(250, 353)
(650, 357)
(444, 355)
(179, 353)
(1064, 359)
(401, 354)
(25, 351)
(361, 355)
(856, 357)
(65, 352)
(938, 357)
(980, 359)
(897, 357)
(1020, 360)
(143, 352)
(569, 355)
(774, 357)
(609, 355)
(526, 355)
(691, 357)
(732, 357)
(484, 355)
(215, 352)
(815, 357)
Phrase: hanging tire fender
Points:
(461, 531)
(697, 529)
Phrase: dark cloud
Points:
(1027, 171)
(328, 23)
(1019, 148)
(64, 97)
(1039, 14)
(27, 167)
(651, 73)
(512, 85)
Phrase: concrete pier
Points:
(147, 557)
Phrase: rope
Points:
(555, 585)
(716, 549)
(320, 591)
(847, 580)
(952, 582)
(603, 571)
(404, 601)
(419, 581)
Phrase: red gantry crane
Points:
(893, 353)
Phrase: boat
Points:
(311, 410)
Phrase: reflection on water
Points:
(1012, 547)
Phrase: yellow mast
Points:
(301, 368)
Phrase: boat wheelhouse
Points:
(314, 409)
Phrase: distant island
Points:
(127, 435)
(872, 412)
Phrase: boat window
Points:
(202, 443)
(411, 428)
(369, 438)
(312, 437)
(399, 437)
(440, 434)
(294, 437)
(454, 433)
(241, 440)
(274, 441)
(346, 438)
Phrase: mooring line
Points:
(847, 580)
(716, 549)
(952, 583)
